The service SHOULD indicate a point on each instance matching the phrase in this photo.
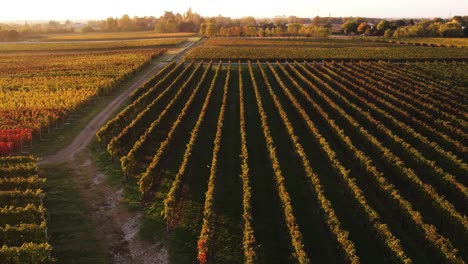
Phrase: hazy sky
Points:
(101, 9)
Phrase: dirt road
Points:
(87, 134)
(115, 225)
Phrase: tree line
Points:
(437, 27)
(278, 26)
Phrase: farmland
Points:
(42, 89)
(304, 162)
(435, 42)
(100, 36)
(287, 150)
(91, 45)
(319, 49)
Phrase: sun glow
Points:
(92, 9)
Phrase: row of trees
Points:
(169, 22)
(456, 27)
(276, 27)
(211, 30)
(436, 28)
(249, 26)
(9, 35)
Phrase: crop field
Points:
(291, 42)
(435, 42)
(298, 162)
(23, 226)
(114, 36)
(320, 49)
(39, 89)
(91, 45)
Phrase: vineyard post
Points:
(21, 142)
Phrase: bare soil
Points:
(115, 225)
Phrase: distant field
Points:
(90, 45)
(447, 42)
(114, 36)
(290, 42)
(318, 49)
(343, 53)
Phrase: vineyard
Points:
(433, 42)
(268, 162)
(291, 42)
(23, 227)
(40, 90)
(319, 49)
(90, 46)
(99, 36)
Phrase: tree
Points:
(9, 35)
(451, 30)
(383, 25)
(261, 33)
(202, 29)
(432, 30)
(211, 29)
(293, 29)
(279, 21)
(53, 26)
(398, 23)
(248, 21)
(363, 27)
(111, 24)
(316, 21)
(349, 27)
(400, 32)
(317, 32)
(193, 18)
(167, 23)
(278, 31)
(388, 33)
(125, 23)
(187, 27)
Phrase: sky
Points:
(18, 10)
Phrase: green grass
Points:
(103, 161)
(69, 228)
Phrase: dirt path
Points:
(87, 134)
(116, 226)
